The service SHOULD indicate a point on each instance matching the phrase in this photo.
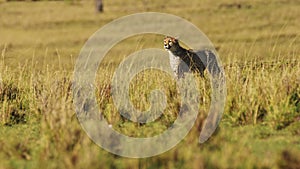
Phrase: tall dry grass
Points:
(259, 48)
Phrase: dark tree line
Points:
(99, 4)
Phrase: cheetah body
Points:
(182, 60)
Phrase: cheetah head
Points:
(170, 43)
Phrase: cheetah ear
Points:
(176, 39)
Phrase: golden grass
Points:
(258, 44)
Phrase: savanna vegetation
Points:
(258, 44)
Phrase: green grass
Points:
(258, 43)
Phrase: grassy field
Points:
(258, 43)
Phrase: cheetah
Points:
(184, 60)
